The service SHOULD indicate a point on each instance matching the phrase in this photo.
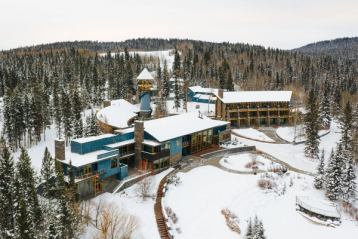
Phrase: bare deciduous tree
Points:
(113, 223)
(144, 188)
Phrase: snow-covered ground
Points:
(253, 134)
(291, 134)
(130, 203)
(294, 154)
(206, 190)
(163, 55)
(242, 161)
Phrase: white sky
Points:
(284, 24)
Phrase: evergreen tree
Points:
(48, 174)
(349, 186)
(333, 174)
(76, 115)
(68, 223)
(249, 230)
(311, 126)
(319, 177)
(28, 216)
(92, 128)
(355, 134)
(66, 116)
(346, 127)
(166, 88)
(6, 192)
(325, 107)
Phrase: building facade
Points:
(202, 95)
(254, 108)
(148, 146)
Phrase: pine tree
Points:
(66, 116)
(346, 127)
(319, 177)
(6, 192)
(349, 186)
(355, 134)
(166, 88)
(67, 218)
(176, 75)
(28, 216)
(325, 107)
(311, 126)
(249, 230)
(333, 175)
(48, 174)
(92, 128)
(76, 115)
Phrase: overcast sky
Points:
(284, 24)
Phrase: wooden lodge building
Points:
(254, 108)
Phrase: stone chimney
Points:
(60, 149)
(221, 93)
(106, 103)
(138, 145)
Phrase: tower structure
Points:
(145, 83)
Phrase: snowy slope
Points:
(199, 215)
(163, 55)
(130, 203)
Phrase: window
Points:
(114, 163)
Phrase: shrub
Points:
(265, 183)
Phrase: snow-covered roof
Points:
(199, 89)
(124, 104)
(92, 138)
(255, 96)
(204, 96)
(118, 113)
(151, 142)
(321, 207)
(145, 75)
(120, 144)
(79, 160)
(171, 127)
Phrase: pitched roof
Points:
(172, 127)
(255, 96)
(145, 75)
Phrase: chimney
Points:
(106, 103)
(60, 149)
(221, 93)
(138, 145)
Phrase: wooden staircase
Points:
(161, 221)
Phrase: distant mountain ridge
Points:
(341, 47)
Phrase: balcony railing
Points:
(155, 156)
(90, 175)
(108, 154)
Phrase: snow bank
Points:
(253, 134)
